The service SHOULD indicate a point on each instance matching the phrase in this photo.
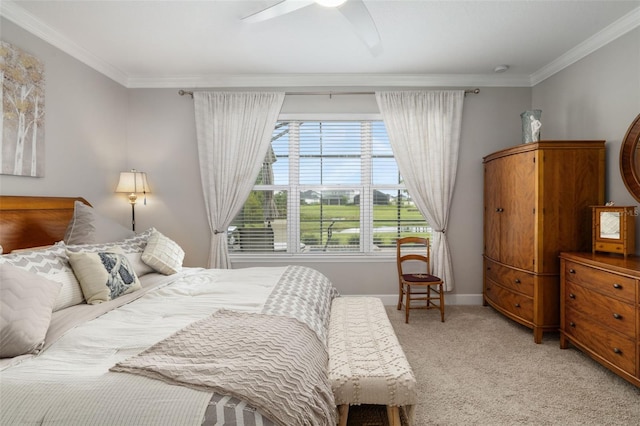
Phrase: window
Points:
(327, 186)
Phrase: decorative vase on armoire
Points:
(531, 125)
(536, 205)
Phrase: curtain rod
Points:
(466, 92)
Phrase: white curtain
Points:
(424, 132)
(234, 132)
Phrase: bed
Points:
(174, 346)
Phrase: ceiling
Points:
(428, 43)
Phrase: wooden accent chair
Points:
(420, 285)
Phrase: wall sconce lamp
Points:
(133, 183)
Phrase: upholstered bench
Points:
(366, 362)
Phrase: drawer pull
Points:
(517, 305)
(572, 296)
(617, 286)
(617, 351)
(572, 271)
(572, 324)
(517, 281)
(617, 316)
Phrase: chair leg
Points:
(393, 414)
(407, 306)
(401, 293)
(343, 414)
(441, 302)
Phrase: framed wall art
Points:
(22, 119)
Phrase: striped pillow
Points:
(70, 293)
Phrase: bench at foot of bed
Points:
(366, 362)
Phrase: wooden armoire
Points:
(537, 199)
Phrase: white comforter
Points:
(72, 374)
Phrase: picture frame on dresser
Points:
(614, 229)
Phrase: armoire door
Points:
(509, 195)
(492, 188)
(517, 216)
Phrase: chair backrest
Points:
(421, 255)
(256, 239)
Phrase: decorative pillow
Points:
(139, 267)
(88, 227)
(163, 254)
(104, 275)
(70, 293)
(26, 303)
(131, 247)
(49, 260)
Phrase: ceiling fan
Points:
(355, 11)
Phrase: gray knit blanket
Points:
(275, 363)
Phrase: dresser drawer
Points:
(607, 311)
(509, 277)
(615, 348)
(620, 287)
(511, 301)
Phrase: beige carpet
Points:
(479, 368)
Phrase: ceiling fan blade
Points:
(278, 9)
(357, 13)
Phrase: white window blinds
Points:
(327, 186)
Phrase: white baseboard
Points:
(450, 299)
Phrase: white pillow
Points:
(26, 305)
(103, 276)
(89, 227)
(163, 254)
(140, 268)
(70, 293)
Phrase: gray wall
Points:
(162, 139)
(596, 98)
(95, 128)
(85, 129)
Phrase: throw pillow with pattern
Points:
(104, 275)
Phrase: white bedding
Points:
(32, 391)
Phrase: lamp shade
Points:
(133, 182)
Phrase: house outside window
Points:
(327, 187)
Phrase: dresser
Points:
(600, 310)
(537, 199)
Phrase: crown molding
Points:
(617, 29)
(330, 80)
(14, 13)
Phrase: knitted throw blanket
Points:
(276, 364)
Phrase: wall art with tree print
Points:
(22, 120)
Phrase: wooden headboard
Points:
(34, 221)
